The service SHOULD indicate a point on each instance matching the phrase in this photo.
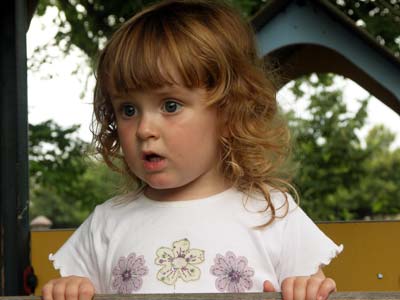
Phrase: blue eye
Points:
(171, 106)
(128, 110)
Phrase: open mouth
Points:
(152, 157)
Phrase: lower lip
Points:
(154, 165)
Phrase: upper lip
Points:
(146, 153)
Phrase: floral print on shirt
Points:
(234, 276)
(127, 274)
(179, 262)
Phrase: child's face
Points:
(170, 141)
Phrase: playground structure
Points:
(366, 263)
(303, 37)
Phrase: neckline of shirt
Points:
(228, 193)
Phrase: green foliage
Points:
(88, 24)
(380, 18)
(55, 155)
(380, 190)
(65, 185)
(338, 178)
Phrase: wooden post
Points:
(14, 223)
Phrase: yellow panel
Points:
(42, 244)
(370, 248)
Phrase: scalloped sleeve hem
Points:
(58, 266)
(319, 263)
(305, 248)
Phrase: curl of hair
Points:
(212, 47)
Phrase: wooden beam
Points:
(231, 296)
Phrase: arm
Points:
(314, 287)
(68, 288)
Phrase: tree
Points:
(65, 183)
(379, 18)
(379, 191)
(88, 24)
(338, 177)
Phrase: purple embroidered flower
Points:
(234, 276)
(127, 274)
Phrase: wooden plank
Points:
(230, 296)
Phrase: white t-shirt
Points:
(131, 244)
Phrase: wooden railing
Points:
(229, 296)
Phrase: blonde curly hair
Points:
(212, 47)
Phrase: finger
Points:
(71, 288)
(299, 288)
(327, 286)
(313, 285)
(59, 289)
(86, 290)
(268, 287)
(47, 291)
(287, 288)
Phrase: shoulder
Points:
(281, 202)
(115, 207)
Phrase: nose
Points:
(147, 128)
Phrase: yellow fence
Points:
(370, 260)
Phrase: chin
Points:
(162, 185)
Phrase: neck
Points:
(185, 192)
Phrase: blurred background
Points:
(346, 154)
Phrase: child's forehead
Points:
(163, 91)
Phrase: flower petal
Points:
(116, 282)
(233, 287)
(129, 287)
(248, 272)
(189, 273)
(122, 289)
(221, 262)
(167, 274)
(241, 263)
(143, 270)
(122, 263)
(164, 255)
(231, 259)
(138, 263)
(246, 283)
(194, 256)
(130, 260)
(221, 283)
(116, 271)
(137, 283)
(218, 270)
(180, 247)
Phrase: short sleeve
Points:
(78, 255)
(305, 248)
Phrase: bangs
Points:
(158, 49)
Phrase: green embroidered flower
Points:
(179, 262)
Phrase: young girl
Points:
(183, 107)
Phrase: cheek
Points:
(195, 140)
(126, 141)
